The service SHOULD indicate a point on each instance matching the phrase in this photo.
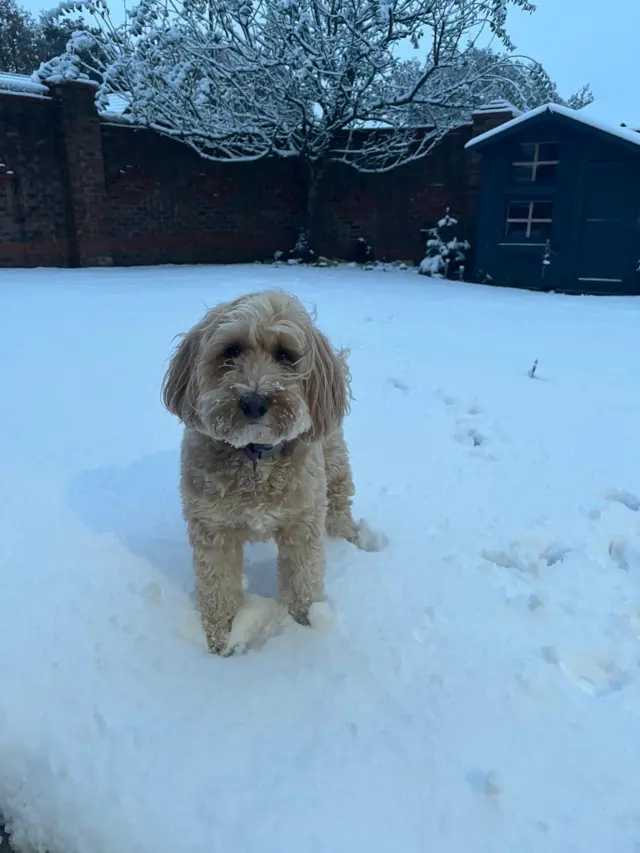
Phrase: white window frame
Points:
(536, 160)
(530, 219)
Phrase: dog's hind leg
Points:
(340, 490)
(301, 564)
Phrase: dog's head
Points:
(257, 371)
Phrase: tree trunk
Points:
(303, 249)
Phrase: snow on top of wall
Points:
(574, 115)
(375, 124)
(370, 124)
(22, 84)
(117, 118)
(497, 105)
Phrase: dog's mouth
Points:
(261, 437)
(221, 420)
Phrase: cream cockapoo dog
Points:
(262, 395)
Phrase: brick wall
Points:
(389, 210)
(33, 212)
(167, 205)
(78, 190)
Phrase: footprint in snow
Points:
(448, 399)
(399, 384)
(468, 432)
(623, 497)
(471, 436)
(451, 402)
(531, 603)
(484, 783)
(527, 559)
(594, 675)
(625, 553)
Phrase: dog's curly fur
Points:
(266, 344)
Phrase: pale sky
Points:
(588, 41)
(578, 41)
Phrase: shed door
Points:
(607, 229)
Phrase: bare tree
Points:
(319, 80)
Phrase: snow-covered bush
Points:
(445, 254)
(364, 253)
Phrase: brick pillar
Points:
(485, 118)
(83, 172)
(492, 115)
(482, 122)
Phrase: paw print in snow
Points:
(623, 497)
(448, 399)
(486, 783)
(527, 559)
(471, 436)
(399, 384)
(469, 430)
(593, 674)
(625, 553)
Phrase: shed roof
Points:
(563, 115)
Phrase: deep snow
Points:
(477, 689)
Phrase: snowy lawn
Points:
(479, 688)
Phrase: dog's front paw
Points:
(299, 612)
(319, 614)
(368, 539)
(218, 641)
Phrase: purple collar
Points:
(256, 452)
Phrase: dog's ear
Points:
(179, 393)
(327, 385)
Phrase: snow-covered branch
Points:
(243, 79)
(321, 80)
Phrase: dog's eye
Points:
(283, 355)
(232, 351)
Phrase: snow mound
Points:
(258, 619)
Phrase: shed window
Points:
(535, 163)
(529, 220)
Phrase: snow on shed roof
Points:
(22, 84)
(115, 108)
(565, 112)
(116, 103)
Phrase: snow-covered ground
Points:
(478, 690)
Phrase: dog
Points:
(262, 396)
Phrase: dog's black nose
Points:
(253, 406)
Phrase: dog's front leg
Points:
(218, 558)
(301, 564)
